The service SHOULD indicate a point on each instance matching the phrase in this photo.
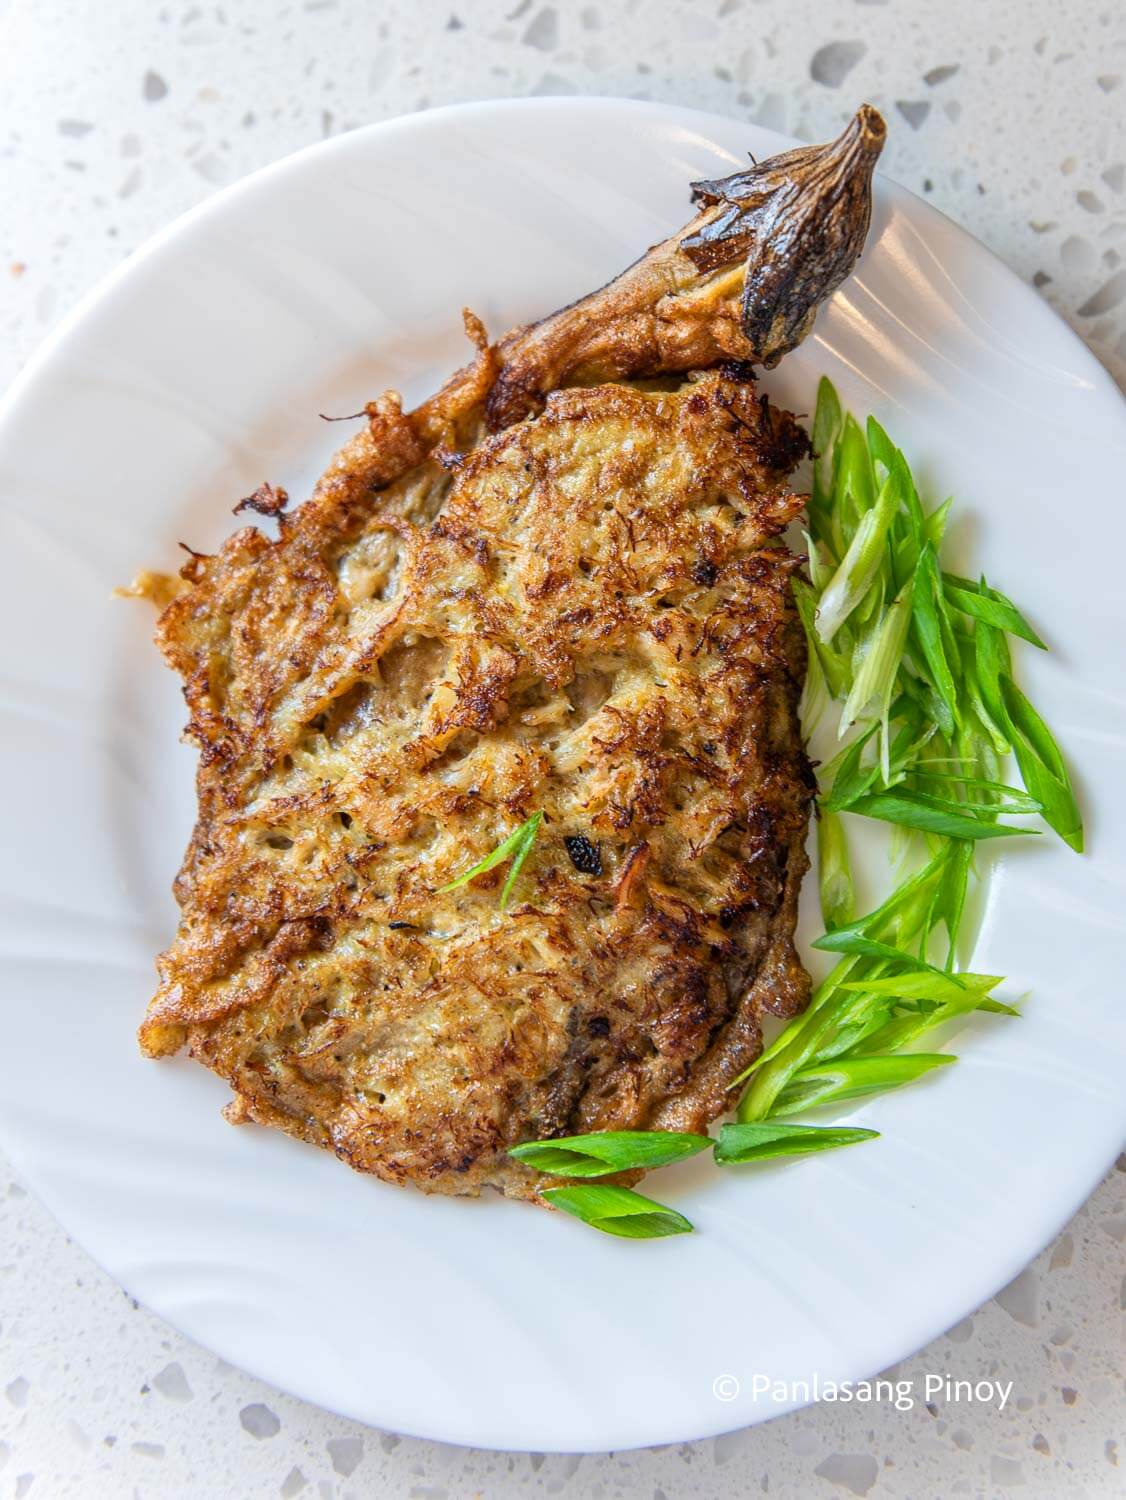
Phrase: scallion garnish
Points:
(515, 847)
(926, 685)
(851, 1077)
(934, 815)
(605, 1152)
(1041, 765)
(618, 1210)
(928, 605)
(739, 1144)
(860, 565)
(984, 603)
(917, 654)
(834, 871)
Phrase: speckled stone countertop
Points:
(114, 118)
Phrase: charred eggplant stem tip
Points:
(800, 219)
(742, 281)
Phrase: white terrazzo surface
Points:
(113, 119)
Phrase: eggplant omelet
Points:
(556, 594)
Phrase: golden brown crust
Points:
(587, 614)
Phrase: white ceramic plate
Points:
(196, 372)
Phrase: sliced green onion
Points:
(1042, 766)
(820, 569)
(903, 1030)
(834, 871)
(1006, 799)
(739, 1144)
(977, 709)
(859, 566)
(851, 1077)
(876, 677)
(604, 1152)
(814, 694)
(916, 810)
(950, 898)
(1057, 800)
(617, 1210)
(811, 1017)
(880, 446)
(869, 611)
(928, 704)
(927, 606)
(984, 603)
(804, 1042)
(826, 428)
(941, 645)
(934, 527)
(853, 779)
(854, 483)
(991, 663)
(833, 663)
(846, 1040)
(899, 916)
(927, 984)
(851, 941)
(849, 776)
(521, 854)
(906, 534)
(516, 847)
